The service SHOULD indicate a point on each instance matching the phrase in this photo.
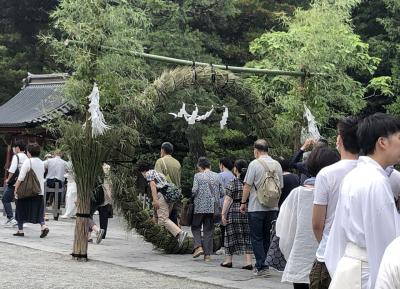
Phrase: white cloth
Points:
(327, 186)
(365, 215)
(297, 241)
(56, 168)
(14, 162)
(37, 166)
(352, 269)
(389, 271)
(71, 194)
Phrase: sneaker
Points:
(14, 223)
(99, 236)
(6, 222)
(220, 251)
(182, 237)
(10, 223)
(262, 273)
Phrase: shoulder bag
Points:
(30, 186)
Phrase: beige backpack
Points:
(269, 191)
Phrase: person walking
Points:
(105, 209)
(18, 159)
(71, 195)
(206, 192)
(260, 216)
(237, 230)
(326, 194)
(293, 225)
(31, 209)
(158, 183)
(366, 218)
(225, 176)
(56, 168)
(171, 169)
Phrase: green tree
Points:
(20, 52)
(320, 40)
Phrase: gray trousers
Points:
(207, 221)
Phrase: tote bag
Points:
(30, 186)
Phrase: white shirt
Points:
(389, 271)
(327, 185)
(56, 168)
(365, 215)
(15, 163)
(254, 176)
(297, 241)
(38, 168)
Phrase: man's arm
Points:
(245, 196)
(318, 220)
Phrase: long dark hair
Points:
(241, 166)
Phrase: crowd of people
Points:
(334, 217)
(324, 217)
(52, 175)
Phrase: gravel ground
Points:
(31, 269)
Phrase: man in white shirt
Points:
(16, 163)
(327, 185)
(366, 218)
(260, 217)
(56, 168)
(389, 271)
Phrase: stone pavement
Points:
(127, 249)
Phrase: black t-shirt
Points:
(290, 181)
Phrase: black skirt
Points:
(30, 210)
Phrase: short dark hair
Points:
(204, 163)
(372, 127)
(347, 129)
(319, 158)
(285, 164)
(241, 166)
(261, 145)
(226, 162)
(34, 150)
(167, 147)
(144, 167)
(20, 145)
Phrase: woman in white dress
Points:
(293, 226)
(71, 195)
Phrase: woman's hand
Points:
(224, 220)
(156, 204)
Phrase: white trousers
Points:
(70, 199)
(352, 271)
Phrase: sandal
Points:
(226, 265)
(44, 233)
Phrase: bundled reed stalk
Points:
(87, 155)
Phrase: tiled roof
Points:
(40, 100)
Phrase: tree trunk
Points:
(195, 140)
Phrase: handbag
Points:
(187, 214)
(275, 257)
(30, 186)
(217, 211)
(171, 193)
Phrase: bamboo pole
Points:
(302, 73)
